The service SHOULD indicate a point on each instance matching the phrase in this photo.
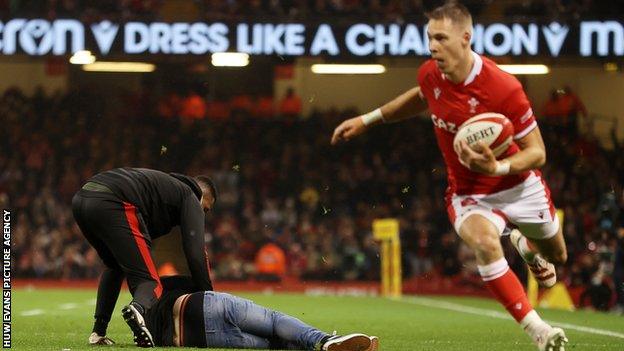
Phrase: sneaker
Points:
(142, 336)
(349, 342)
(95, 339)
(374, 343)
(553, 339)
(543, 271)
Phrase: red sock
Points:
(506, 287)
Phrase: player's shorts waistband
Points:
(97, 187)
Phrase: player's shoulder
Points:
(427, 70)
(498, 79)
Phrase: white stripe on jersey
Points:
(526, 131)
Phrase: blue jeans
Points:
(234, 322)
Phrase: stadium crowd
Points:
(285, 191)
(238, 10)
(86, 10)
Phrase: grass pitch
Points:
(62, 320)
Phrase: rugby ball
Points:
(494, 129)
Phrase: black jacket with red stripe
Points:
(165, 201)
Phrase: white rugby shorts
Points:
(526, 206)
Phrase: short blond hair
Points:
(454, 11)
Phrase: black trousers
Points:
(119, 235)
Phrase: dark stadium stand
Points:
(280, 183)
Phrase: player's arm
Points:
(192, 229)
(406, 105)
(515, 105)
(481, 159)
(532, 154)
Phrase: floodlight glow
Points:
(230, 59)
(347, 69)
(611, 67)
(130, 67)
(525, 69)
(82, 57)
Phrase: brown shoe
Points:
(349, 342)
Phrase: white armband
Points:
(502, 168)
(372, 116)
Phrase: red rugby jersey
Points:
(486, 89)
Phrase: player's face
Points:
(447, 42)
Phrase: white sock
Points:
(493, 270)
(533, 324)
(527, 253)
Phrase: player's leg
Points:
(482, 235)
(481, 232)
(539, 253)
(540, 239)
(552, 249)
(480, 221)
(257, 323)
(480, 228)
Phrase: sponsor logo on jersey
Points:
(437, 92)
(440, 123)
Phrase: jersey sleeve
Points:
(517, 108)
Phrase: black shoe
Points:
(142, 336)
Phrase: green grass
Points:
(408, 324)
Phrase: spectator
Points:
(290, 106)
(241, 103)
(217, 110)
(573, 107)
(264, 107)
(193, 107)
(270, 262)
(554, 114)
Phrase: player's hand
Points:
(479, 158)
(95, 339)
(348, 129)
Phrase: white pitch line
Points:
(588, 329)
(423, 301)
(68, 306)
(32, 313)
